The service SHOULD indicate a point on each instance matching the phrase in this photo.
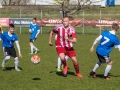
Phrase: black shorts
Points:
(103, 59)
(33, 40)
(10, 51)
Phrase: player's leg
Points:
(13, 54)
(6, 54)
(61, 52)
(59, 63)
(34, 47)
(108, 67)
(97, 65)
(76, 66)
(31, 46)
(93, 72)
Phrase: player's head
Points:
(34, 20)
(11, 28)
(115, 26)
(66, 21)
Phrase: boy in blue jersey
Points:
(108, 40)
(8, 40)
(34, 31)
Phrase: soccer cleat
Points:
(79, 75)
(17, 69)
(93, 74)
(106, 78)
(65, 69)
(3, 64)
(59, 70)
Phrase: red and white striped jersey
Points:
(61, 33)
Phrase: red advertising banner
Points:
(78, 22)
(4, 21)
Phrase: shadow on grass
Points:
(69, 73)
(10, 68)
(36, 79)
(102, 75)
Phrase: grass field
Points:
(43, 76)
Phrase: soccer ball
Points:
(35, 59)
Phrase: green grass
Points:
(43, 75)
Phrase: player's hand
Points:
(20, 55)
(66, 38)
(30, 31)
(91, 49)
(50, 44)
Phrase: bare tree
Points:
(70, 7)
(15, 2)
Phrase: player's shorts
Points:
(70, 52)
(103, 59)
(9, 51)
(60, 50)
(33, 40)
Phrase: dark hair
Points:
(34, 18)
(11, 25)
(115, 26)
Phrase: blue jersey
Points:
(34, 29)
(107, 42)
(8, 40)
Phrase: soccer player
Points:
(8, 39)
(66, 36)
(34, 31)
(108, 40)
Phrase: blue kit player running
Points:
(108, 40)
(34, 31)
(8, 39)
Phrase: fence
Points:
(54, 12)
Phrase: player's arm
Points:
(18, 47)
(73, 40)
(50, 38)
(117, 46)
(38, 31)
(95, 42)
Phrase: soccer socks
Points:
(31, 46)
(59, 61)
(35, 47)
(16, 62)
(107, 70)
(97, 65)
(66, 58)
(6, 58)
(76, 68)
(4, 61)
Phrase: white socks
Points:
(97, 65)
(107, 70)
(16, 62)
(32, 47)
(6, 58)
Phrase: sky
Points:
(50, 2)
